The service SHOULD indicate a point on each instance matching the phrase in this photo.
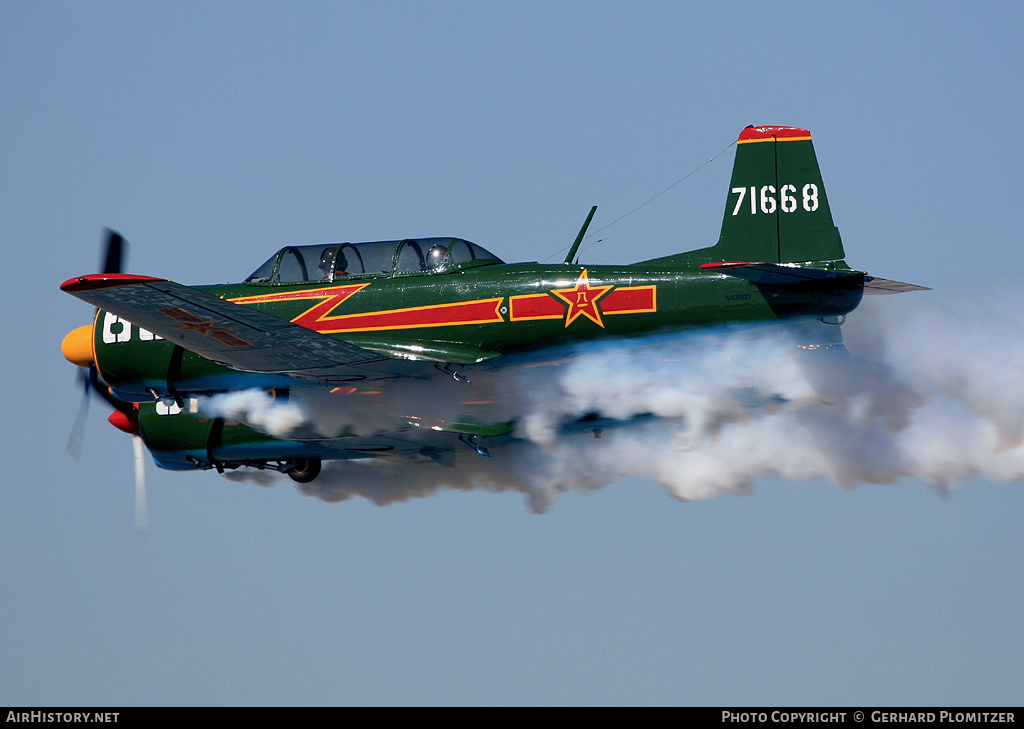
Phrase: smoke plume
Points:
(923, 389)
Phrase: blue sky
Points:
(212, 134)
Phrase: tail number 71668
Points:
(764, 199)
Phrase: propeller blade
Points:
(92, 386)
(114, 253)
(78, 429)
(112, 261)
(141, 508)
(104, 392)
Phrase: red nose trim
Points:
(125, 422)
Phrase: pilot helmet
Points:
(435, 256)
(327, 260)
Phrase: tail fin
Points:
(776, 211)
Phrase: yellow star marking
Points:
(582, 300)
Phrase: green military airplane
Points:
(357, 322)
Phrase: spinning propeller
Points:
(77, 349)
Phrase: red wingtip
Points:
(766, 132)
(104, 281)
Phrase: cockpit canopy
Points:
(334, 262)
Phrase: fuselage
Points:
(469, 315)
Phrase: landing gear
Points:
(304, 470)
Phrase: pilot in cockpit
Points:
(326, 262)
(435, 256)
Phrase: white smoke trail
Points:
(257, 408)
(937, 396)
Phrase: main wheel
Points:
(305, 470)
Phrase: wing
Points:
(234, 335)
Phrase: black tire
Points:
(305, 470)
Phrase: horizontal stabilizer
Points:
(881, 286)
(779, 274)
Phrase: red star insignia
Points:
(200, 327)
(582, 300)
(192, 323)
